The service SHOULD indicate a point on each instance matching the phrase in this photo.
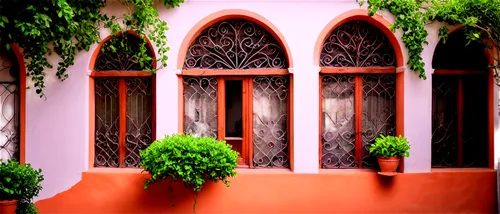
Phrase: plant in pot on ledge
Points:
(19, 184)
(389, 150)
(194, 160)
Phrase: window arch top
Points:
(114, 56)
(458, 53)
(235, 44)
(357, 44)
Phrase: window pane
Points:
(234, 90)
(9, 104)
(200, 106)
(270, 140)
(379, 112)
(444, 121)
(139, 118)
(475, 130)
(106, 122)
(337, 131)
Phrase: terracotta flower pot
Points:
(8, 207)
(389, 164)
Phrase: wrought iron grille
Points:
(444, 121)
(270, 138)
(338, 121)
(139, 118)
(200, 106)
(106, 122)
(109, 59)
(357, 44)
(9, 99)
(379, 112)
(235, 44)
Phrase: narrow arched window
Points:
(460, 132)
(9, 112)
(357, 93)
(123, 102)
(236, 88)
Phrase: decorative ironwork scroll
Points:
(337, 132)
(235, 44)
(270, 138)
(444, 121)
(9, 100)
(139, 118)
(200, 106)
(379, 112)
(357, 44)
(109, 60)
(106, 122)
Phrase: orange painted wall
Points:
(285, 192)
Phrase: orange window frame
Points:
(491, 118)
(121, 75)
(247, 106)
(358, 107)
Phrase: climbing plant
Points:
(479, 19)
(66, 27)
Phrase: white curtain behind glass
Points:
(9, 143)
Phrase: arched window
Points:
(357, 94)
(123, 98)
(460, 103)
(236, 88)
(10, 147)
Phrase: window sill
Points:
(140, 171)
(347, 171)
(116, 170)
(463, 170)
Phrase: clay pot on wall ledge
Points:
(8, 207)
(389, 164)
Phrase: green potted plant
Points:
(388, 150)
(19, 184)
(193, 160)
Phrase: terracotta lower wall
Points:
(251, 192)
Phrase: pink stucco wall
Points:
(57, 134)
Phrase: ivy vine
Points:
(65, 27)
(479, 20)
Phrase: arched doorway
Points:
(236, 87)
(122, 97)
(460, 99)
(360, 91)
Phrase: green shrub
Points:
(20, 182)
(193, 160)
(390, 146)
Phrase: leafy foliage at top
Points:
(20, 182)
(478, 18)
(390, 146)
(194, 160)
(66, 27)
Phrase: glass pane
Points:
(475, 130)
(444, 121)
(9, 104)
(106, 122)
(139, 118)
(200, 106)
(234, 90)
(379, 112)
(337, 131)
(270, 140)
